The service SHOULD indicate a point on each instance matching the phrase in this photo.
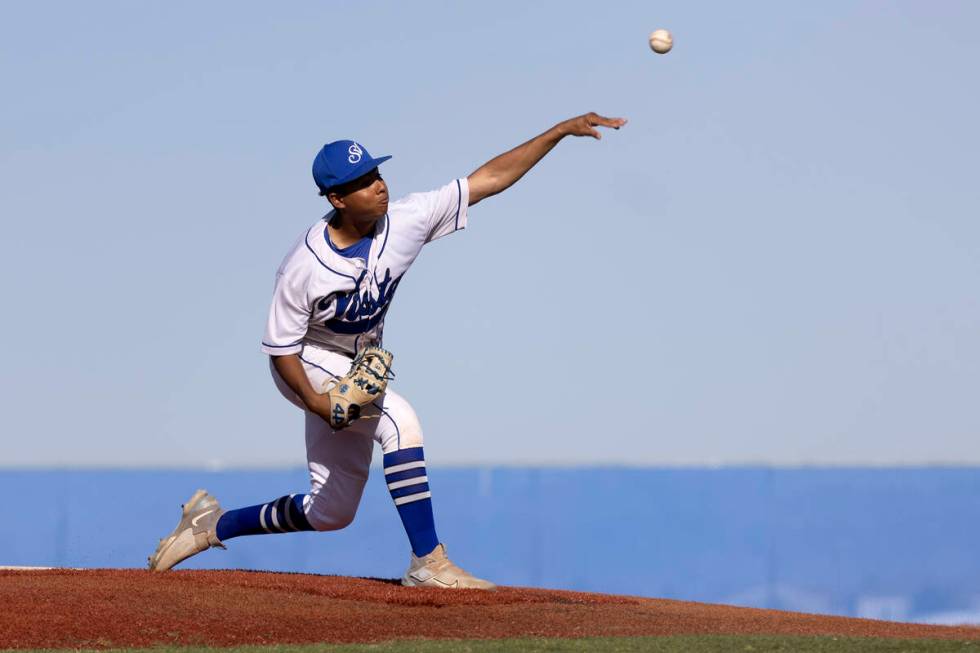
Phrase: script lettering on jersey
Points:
(361, 309)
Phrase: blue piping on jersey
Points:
(306, 239)
(387, 230)
(459, 203)
(398, 433)
(298, 342)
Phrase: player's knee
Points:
(411, 439)
(325, 517)
(333, 520)
(400, 428)
(401, 439)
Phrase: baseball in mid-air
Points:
(661, 41)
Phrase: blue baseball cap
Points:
(342, 161)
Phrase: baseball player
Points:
(323, 337)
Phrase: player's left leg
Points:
(400, 435)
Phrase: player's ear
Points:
(335, 200)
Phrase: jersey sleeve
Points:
(289, 315)
(445, 208)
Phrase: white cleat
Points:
(194, 533)
(436, 570)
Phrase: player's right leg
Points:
(195, 532)
(339, 461)
(203, 525)
(338, 471)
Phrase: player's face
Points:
(363, 198)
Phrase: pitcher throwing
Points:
(324, 338)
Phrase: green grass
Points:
(676, 644)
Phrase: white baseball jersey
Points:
(336, 303)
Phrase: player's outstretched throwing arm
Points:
(500, 173)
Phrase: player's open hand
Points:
(586, 125)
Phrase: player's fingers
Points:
(615, 123)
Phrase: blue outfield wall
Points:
(885, 543)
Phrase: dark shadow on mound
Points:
(386, 581)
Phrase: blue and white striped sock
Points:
(409, 487)
(284, 515)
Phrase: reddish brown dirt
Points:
(103, 608)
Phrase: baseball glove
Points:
(365, 382)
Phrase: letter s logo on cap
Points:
(355, 153)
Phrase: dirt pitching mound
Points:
(103, 608)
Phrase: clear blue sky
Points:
(776, 261)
